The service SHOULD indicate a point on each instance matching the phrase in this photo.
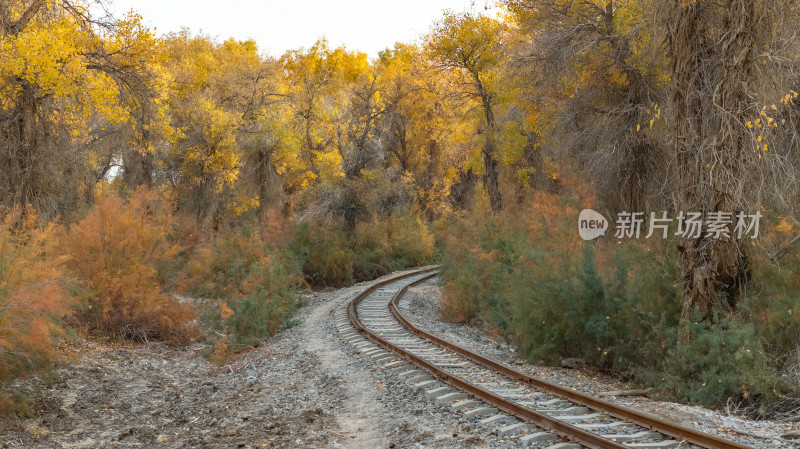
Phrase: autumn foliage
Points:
(324, 166)
(32, 297)
(116, 251)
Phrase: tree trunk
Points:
(489, 149)
(432, 172)
(138, 168)
(712, 51)
(270, 189)
(350, 214)
(205, 200)
(490, 166)
(20, 141)
(462, 191)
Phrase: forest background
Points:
(183, 188)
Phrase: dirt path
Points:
(356, 416)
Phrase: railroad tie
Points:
(514, 429)
(481, 411)
(461, 405)
(539, 437)
(666, 444)
(436, 392)
(426, 385)
(499, 419)
(450, 397)
(565, 446)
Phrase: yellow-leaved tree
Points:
(228, 111)
(63, 73)
(418, 120)
(472, 45)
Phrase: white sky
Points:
(280, 25)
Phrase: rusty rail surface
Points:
(546, 422)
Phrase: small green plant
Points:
(330, 258)
(268, 305)
(325, 254)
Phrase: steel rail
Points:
(675, 431)
(546, 422)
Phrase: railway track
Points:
(536, 413)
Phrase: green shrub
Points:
(710, 363)
(330, 258)
(562, 311)
(773, 304)
(411, 242)
(525, 275)
(325, 254)
(396, 243)
(249, 288)
(466, 278)
(270, 302)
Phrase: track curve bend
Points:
(544, 414)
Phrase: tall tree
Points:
(336, 94)
(315, 80)
(417, 122)
(221, 110)
(355, 137)
(473, 45)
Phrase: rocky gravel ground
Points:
(303, 388)
(423, 302)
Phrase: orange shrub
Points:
(117, 251)
(32, 299)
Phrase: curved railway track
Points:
(538, 413)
